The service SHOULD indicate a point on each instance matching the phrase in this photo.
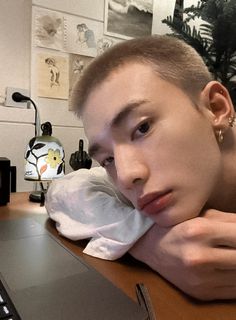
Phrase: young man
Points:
(164, 132)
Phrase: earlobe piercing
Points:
(232, 121)
(220, 136)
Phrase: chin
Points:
(167, 220)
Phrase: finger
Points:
(77, 156)
(223, 259)
(222, 293)
(220, 216)
(223, 234)
(72, 158)
(223, 283)
(81, 147)
(84, 156)
(222, 278)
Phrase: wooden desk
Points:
(169, 302)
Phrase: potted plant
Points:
(214, 39)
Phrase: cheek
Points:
(185, 155)
(128, 194)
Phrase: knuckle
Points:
(195, 229)
(194, 259)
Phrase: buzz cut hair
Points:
(172, 59)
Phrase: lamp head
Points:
(44, 156)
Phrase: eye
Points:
(144, 127)
(107, 162)
(141, 130)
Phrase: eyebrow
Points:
(116, 122)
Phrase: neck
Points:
(223, 197)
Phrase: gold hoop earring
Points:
(220, 136)
(232, 121)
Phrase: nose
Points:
(131, 168)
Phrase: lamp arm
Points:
(18, 97)
(36, 115)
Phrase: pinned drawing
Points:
(105, 43)
(85, 36)
(52, 76)
(81, 35)
(77, 65)
(48, 29)
(54, 72)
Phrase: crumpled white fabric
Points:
(85, 204)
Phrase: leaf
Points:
(27, 154)
(31, 143)
(39, 146)
(60, 168)
(43, 169)
(216, 41)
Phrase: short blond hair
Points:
(172, 59)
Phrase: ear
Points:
(217, 99)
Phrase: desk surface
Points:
(169, 302)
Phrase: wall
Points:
(15, 124)
(17, 69)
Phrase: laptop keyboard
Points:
(7, 309)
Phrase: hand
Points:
(80, 159)
(198, 255)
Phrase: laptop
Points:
(44, 280)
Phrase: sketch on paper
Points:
(81, 35)
(104, 43)
(77, 65)
(49, 29)
(54, 72)
(52, 76)
(128, 18)
(85, 36)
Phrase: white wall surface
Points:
(17, 69)
(15, 24)
(93, 9)
(16, 124)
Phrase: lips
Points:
(153, 203)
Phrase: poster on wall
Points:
(77, 65)
(48, 29)
(69, 33)
(52, 71)
(81, 35)
(128, 18)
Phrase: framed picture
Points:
(127, 19)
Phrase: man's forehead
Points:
(115, 98)
(117, 90)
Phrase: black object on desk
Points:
(7, 180)
(47, 281)
(80, 159)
